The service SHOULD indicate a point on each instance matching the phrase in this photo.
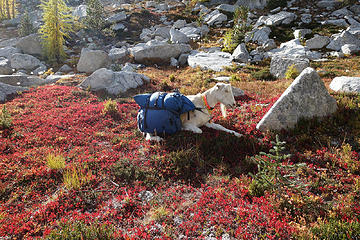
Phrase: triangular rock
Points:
(306, 97)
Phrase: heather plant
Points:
(81, 230)
(350, 158)
(335, 229)
(159, 214)
(263, 74)
(236, 35)
(57, 25)
(172, 78)
(95, 18)
(5, 119)
(56, 162)
(26, 27)
(272, 173)
(110, 108)
(126, 171)
(292, 72)
(76, 177)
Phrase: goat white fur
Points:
(220, 93)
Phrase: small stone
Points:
(350, 49)
(306, 18)
(241, 54)
(301, 33)
(317, 42)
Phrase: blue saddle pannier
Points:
(160, 112)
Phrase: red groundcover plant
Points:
(103, 169)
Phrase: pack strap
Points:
(146, 109)
(207, 104)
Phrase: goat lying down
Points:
(206, 101)
(220, 93)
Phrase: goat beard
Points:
(223, 110)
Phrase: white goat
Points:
(220, 93)
(205, 102)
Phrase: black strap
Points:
(146, 109)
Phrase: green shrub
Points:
(56, 162)
(81, 230)
(337, 230)
(292, 72)
(272, 174)
(126, 171)
(263, 74)
(236, 35)
(235, 78)
(95, 18)
(26, 27)
(184, 162)
(76, 177)
(172, 78)
(5, 119)
(110, 108)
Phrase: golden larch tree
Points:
(7, 9)
(57, 25)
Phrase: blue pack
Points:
(160, 112)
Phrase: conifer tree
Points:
(57, 25)
(95, 15)
(26, 27)
(7, 9)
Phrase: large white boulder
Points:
(155, 52)
(317, 42)
(119, 54)
(241, 54)
(306, 97)
(252, 4)
(118, 17)
(226, 8)
(30, 45)
(346, 84)
(258, 35)
(113, 83)
(215, 18)
(177, 36)
(280, 65)
(6, 52)
(24, 61)
(344, 38)
(350, 49)
(294, 49)
(282, 17)
(215, 61)
(23, 80)
(5, 67)
(8, 90)
(80, 11)
(195, 33)
(92, 60)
